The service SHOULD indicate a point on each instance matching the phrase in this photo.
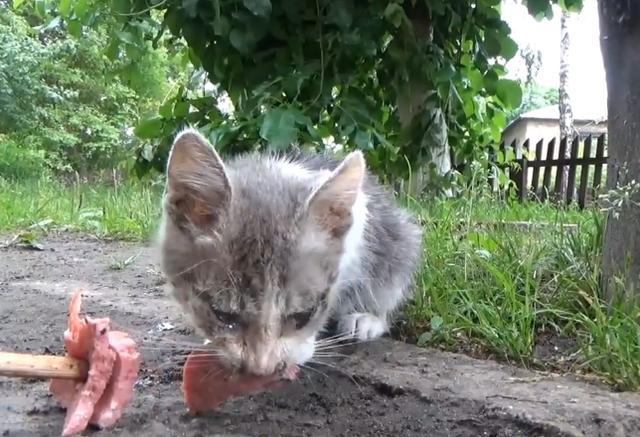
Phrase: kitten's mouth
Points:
(289, 373)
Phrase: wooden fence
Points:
(544, 177)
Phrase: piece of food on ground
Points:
(113, 367)
(206, 383)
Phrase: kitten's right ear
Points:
(331, 204)
(198, 188)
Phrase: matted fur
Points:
(254, 245)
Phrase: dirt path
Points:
(382, 389)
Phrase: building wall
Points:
(536, 130)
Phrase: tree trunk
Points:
(620, 43)
(410, 104)
(564, 106)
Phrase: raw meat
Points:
(113, 367)
(206, 384)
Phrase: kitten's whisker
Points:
(330, 355)
(333, 337)
(334, 340)
(337, 369)
(344, 343)
(210, 373)
(305, 367)
(194, 266)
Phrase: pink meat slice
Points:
(206, 384)
(119, 391)
(113, 366)
(101, 359)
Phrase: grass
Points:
(126, 211)
(529, 296)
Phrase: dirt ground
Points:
(34, 291)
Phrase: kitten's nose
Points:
(263, 367)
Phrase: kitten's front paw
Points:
(363, 326)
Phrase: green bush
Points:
(20, 162)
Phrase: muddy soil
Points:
(326, 400)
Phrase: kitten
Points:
(263, 251)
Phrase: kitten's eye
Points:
(231, 321)
(302, 318)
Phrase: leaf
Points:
(221, 26)
(181, 109)
(16, 3)
(147, 152)
(190, 8)
(240, 41)
(340, 13)
(394, 14)
(261, 8)
(363, 140)
(508, 48)
(149, 128)
(475, 79)
(41, 8)
(425, 338)
(52, 24)
(436, 323)
(279, 128)
(510, 92)
(166, 109)
(126, 36)
(491, 43)
(113, 49)
(80, 8)
(540, 8)
(491, 81)
(29, 240)
(571, 5)
(75, 28)
(64, 7)
(121, 7)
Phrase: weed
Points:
(123, 264)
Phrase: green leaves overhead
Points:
(509, 92)
(279, 128)
(541, 9)
(149, 127)
(303, 71)
(261, 8)
(498, 43)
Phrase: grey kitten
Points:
(263, 251)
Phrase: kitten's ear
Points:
(198, 188)
(330, 205)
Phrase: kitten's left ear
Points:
(331, 204)
(198, 188)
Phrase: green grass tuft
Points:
(126, 211)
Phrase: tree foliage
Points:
(62, 96)
(302, 72)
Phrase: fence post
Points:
(546, 179)
(560, 170)
(600, 160)
(584, 173)
(573, 162)
(536, 168)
